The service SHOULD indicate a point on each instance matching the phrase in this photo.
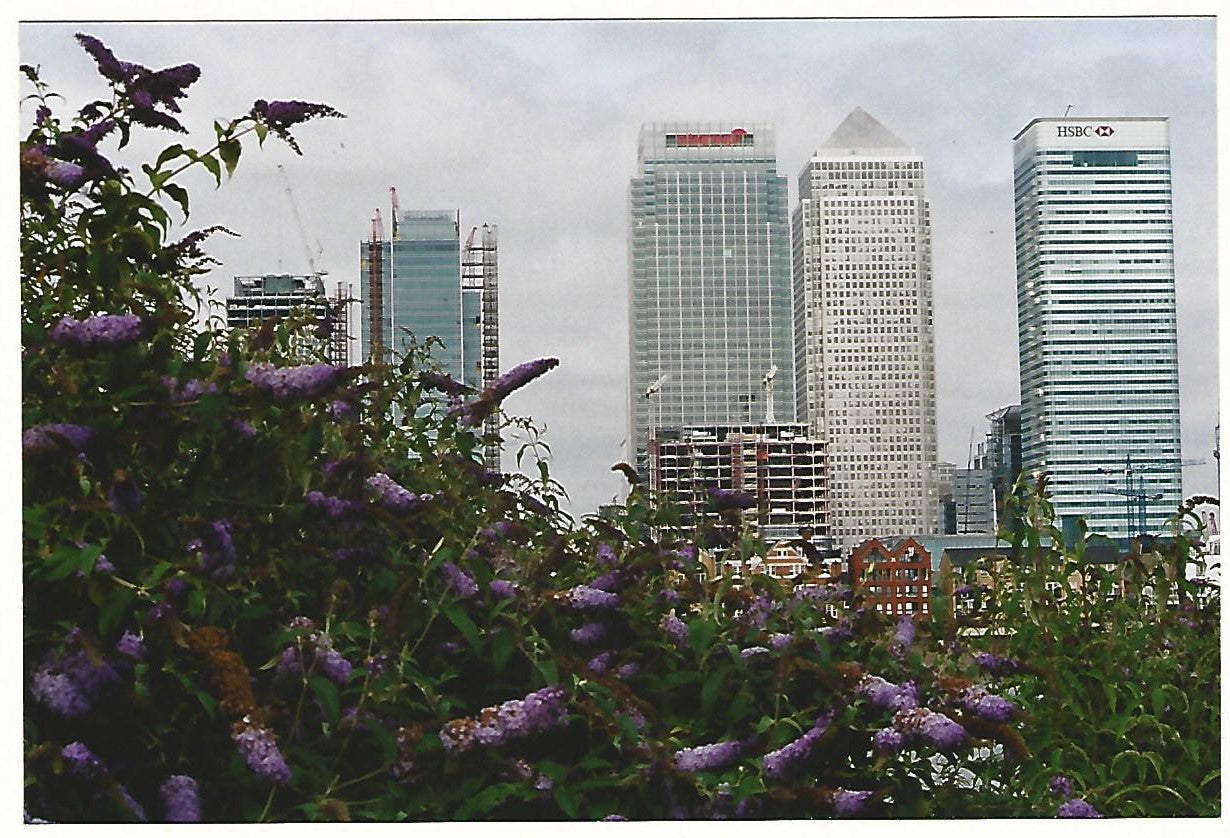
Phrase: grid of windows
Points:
(709, 296)
(864, 349)
(1096, 318)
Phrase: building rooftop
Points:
(862, 130)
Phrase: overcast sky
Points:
(533, 126)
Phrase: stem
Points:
(197, 159)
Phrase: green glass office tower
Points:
(1096, 318)
(710, 280)
(422, 282)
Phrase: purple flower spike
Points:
(258, 748)
(474, 412)
(888, 741)
(904, 636)
(64, 174)
(503, 589)
(676, 630)
(290, 384)
(997, 665)
(987, 706)
(588, 634)
(108, 65)
(180, 799)
(1061, 786)
(284, 114)
(600, 663)
(393, 495)
(336, 668)
(778, 763)
(753, 652)
(130, 645)
(102, 331)
(848, 804)
(606, 556)
(40, 439)
(1077, 807)
(728, 499)
(80, 759)
(713, 757)
(942, 732)
(459, 582)
(585, 598)
(887, 695)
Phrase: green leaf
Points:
(110, 615)
(464, 624)
(1158, 699)
(229, 151)
(211, 163)
(326, 691)
(568, 800)
(502, 646)
(169, 153)
(550, 672)
(712, 688)
(700, 633)
(179, 195)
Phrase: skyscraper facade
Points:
(710, 281)
(422, 283)
(864, 334)
(1096, 318)
(260, 297)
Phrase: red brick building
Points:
(894, 580)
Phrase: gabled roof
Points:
(862, 130)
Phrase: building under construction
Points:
(259, 298)
(421, 283)
(783, 469)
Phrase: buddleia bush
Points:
(261, 587)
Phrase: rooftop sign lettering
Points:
(737, 137)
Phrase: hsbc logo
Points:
(1084, 130)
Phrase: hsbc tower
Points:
(1096, 319)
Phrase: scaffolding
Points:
(480, 275)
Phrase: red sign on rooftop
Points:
(737, 137)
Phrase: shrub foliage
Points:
(258, 587)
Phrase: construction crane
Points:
(375, 290)
(294, 208)
(1138, 497)
(769, 418)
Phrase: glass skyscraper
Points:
(865, 347)
(710, 282)
(419, 290)
(1096, 318)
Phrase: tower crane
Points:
(1134, 490)
(294, 208)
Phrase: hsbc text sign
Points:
(1084, 130)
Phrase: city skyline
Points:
(494, 124)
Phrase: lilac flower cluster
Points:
(589, 634)
(217, 550)
(822, 593)
(131, 646)
(600, 663)
(904, 636)
(1061, 786)
(676, 630)
(102, 331)
(997, 665)
(888, 741)
(336, 668)
(934, 728)
(752, 652)
(606, 555)
(189, 391)
(475, 411)
(393, 495)
(779, 640)
(514, 719)
(333, 507)
(146, 89)
(339, 408)
(713, 757)
(80, 759)
(181, 800)
(728, 499)
(983, 704)
(887, 695)
(259, 749)
(778, 763)
(284, 114)
(289, 384)
(503, 589)
(849, 803)
(1077, 807)
(443, 382)
(585, 598)
(459, 582)
(628, 671)
(39, 439)
(69, 683)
